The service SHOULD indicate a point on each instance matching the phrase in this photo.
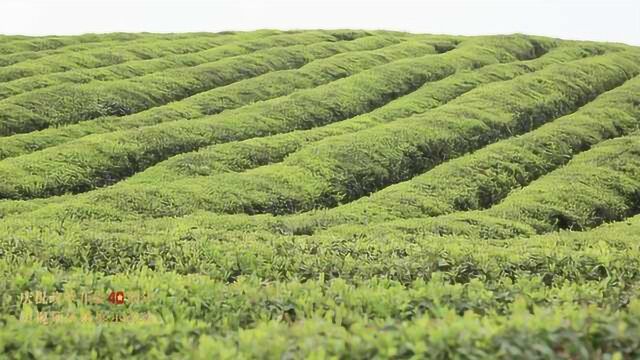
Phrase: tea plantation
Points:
(319, 194)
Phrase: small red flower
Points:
(120, 297)
(116, 298)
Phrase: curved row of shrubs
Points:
(69, 103)
(247, 154)
(110, 55)
(146, 59)
(197, 244)
(14, 44)
(351, 57)
(114, 62)
(345, 167)
(97, 160)
(17, 57)
(227, 303)
(597, 186)
(483, 178)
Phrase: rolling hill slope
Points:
(323, 194)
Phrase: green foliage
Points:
(319, 194)
(482, 179)
(146, 48)
(66, 103)
(351, 58)
(344, 167)
(123, 152)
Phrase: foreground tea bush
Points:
(589, 277)
(522, 335)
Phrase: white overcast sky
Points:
(606, 20)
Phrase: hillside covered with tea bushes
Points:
(319, 194)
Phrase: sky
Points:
(604, 20)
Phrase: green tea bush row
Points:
(563, 332)
(200, 245)
(69, 103)
(248, 300)
(148, 59)
(481, 179)
(37, 44)
(352, 57)
(118, 62)
(247, 154)
(599, 185)
(87, 164)
(345, 167)
(111, 55)
(17, 57)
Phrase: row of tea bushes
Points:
(483, 178)
(20, 44)
(104, 158)
(111, 55)
(351, 57)
(598, 185)
(154, 59)
(111, 63)
(70, 103)
(199, 245)
(345, 167)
